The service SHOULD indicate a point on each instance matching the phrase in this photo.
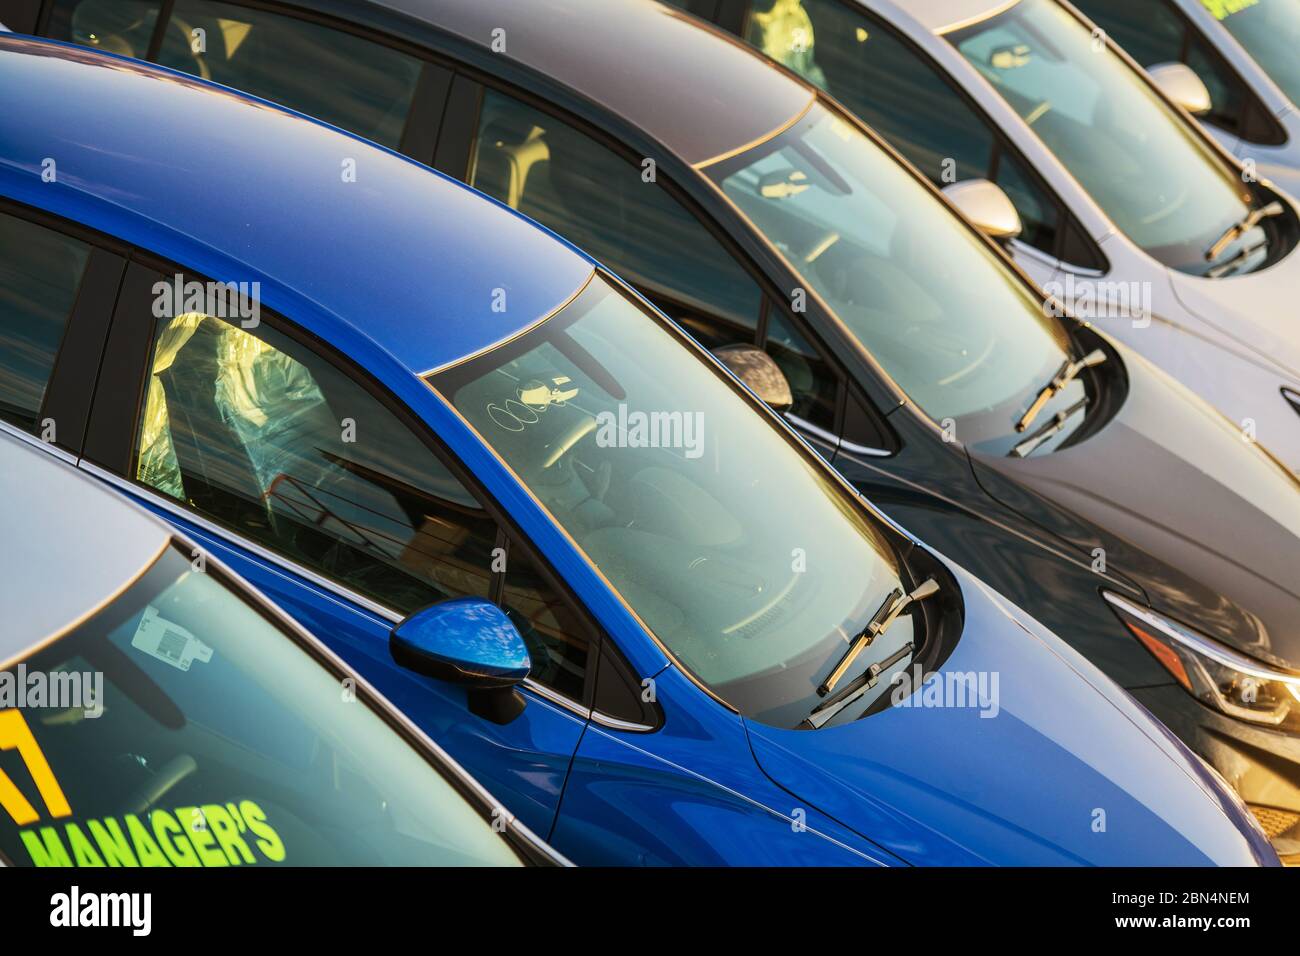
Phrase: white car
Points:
(1127, 208)
(156, 711)
(1247, 55)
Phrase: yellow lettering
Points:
(269, 841)
(14, 733)
(47, 849)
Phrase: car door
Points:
(276, 457)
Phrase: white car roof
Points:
(939, 16)
(70, 546)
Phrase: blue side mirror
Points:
(468, 641)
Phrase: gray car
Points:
(1122, 205)
(156, 711)
(1246, 55)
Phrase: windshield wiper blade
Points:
(1223, 268)
(1237, 230)
(855, 688)
(1068, 373)
(1047, 431)
(894, 605)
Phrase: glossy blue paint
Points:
(469, 639)
(396, 272)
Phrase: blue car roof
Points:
(238, 189)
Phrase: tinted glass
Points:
(262, 435)
(219, 742)
(1156, 180)
(900, 95)
(346, 80)
(605, 206)
(1270, 32)
(738, 551)
(124, 27)
(945, 317)
(40, 272)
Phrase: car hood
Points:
(1058, 767)
(1256, 310)
(1205, 523)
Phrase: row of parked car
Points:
(884, 451)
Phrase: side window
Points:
(877, 76)
(812, 383)
(346, 80)
(1152, 32)
(895, 91)
(40, 272)
(124, 27)
(252, 430)
(605, 205)
(1149, 30)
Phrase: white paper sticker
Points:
(170, 643)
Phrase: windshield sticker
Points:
(1222, 9)
(170, 643)
(16, 735)
(214, 834)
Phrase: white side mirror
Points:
(1178, 82)
(987, 206)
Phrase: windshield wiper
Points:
(855, 688)
(1237, 230)
(1223, 268)
(1068, 373)
(1047, 431)
(895, 604)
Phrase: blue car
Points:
(375, 393)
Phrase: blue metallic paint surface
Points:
(236, 190)
(473, 636)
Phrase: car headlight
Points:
(1225, 679)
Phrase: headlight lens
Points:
(1223, 678)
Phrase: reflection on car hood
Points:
(1205, 523)
(1065, 769)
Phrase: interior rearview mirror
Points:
(987, 206)
(1181, 84)
(471, 642)
(756, 369)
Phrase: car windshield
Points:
(736, 548)
(1270, 32)
(954, 327)
(1160, 184)
(179, 726)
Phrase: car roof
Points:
(220, 182)
(697, 90)
(940, 16)
(71, 545)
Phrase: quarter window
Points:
(40, 272)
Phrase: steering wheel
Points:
(161, 783)
(575, 434)
(186, 37)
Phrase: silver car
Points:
(1245, 55)
(155, 711)
(1121, 205)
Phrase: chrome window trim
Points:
(333, 588)
(614, 723)
(30, 439)
(832, 439)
